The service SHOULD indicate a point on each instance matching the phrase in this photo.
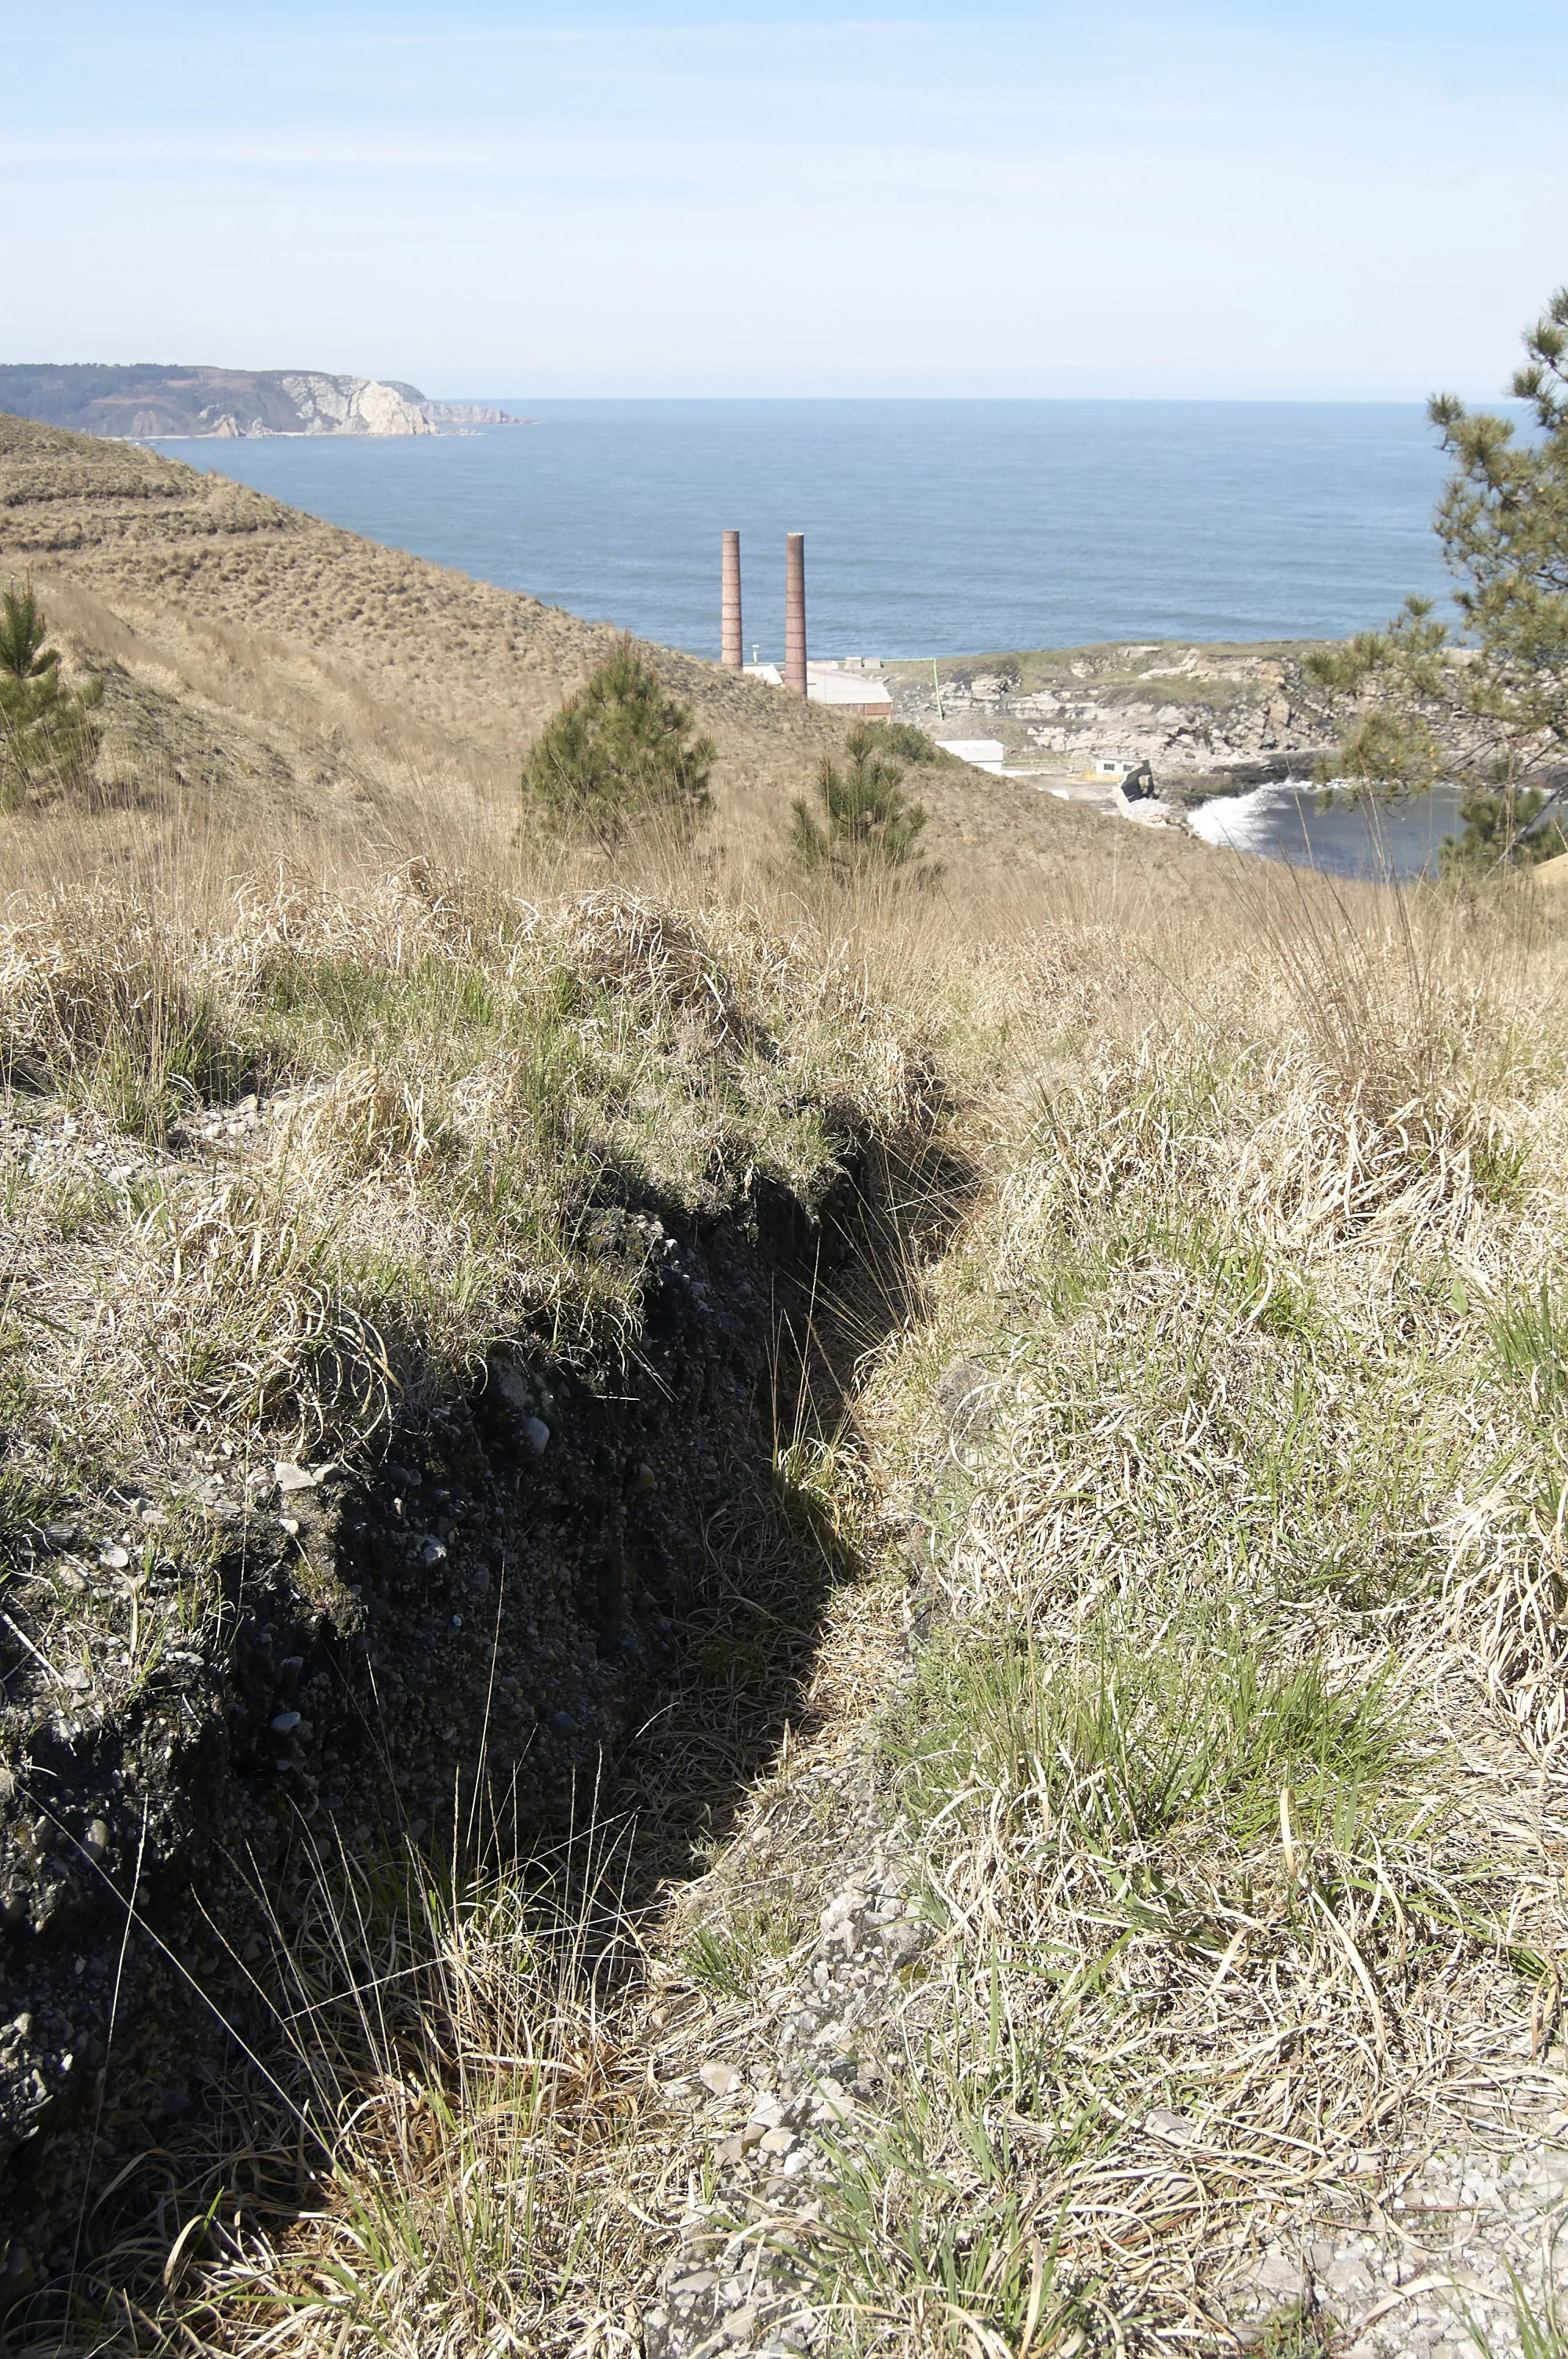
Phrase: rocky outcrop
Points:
(1192, 712)
(144, 404)
(354, 404)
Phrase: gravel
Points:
(1453, 2252)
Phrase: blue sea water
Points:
(1338, 833)
(933, 527)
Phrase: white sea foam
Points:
(1247, 823)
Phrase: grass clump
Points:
(1146, 1732)
(281, 1175)
(620, 755)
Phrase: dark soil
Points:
(462, 1641)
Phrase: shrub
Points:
(617, 755)
(867, 821)
(906, 742)
(47, 736)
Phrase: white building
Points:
(852, 686)
(980, 753)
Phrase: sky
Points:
(1354, 199)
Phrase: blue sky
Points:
(621, 197)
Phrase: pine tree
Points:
(1498, 693)
(23, 630)
(617, 755)
(867, 821)
(47, 736)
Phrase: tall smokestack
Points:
(794, 612)
(729, 606)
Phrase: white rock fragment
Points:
(837, 2105)
(718, 2078)
(1172, 2128)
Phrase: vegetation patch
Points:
(620, 755)
(49, 736)
(867, 820)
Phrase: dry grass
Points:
(1224, 1765)
(1192, 1653)
(1229, 1771)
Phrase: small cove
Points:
(1343, 835)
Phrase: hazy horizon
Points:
(615, 199)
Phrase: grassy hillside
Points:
(304, 685)
(220, 575)
(834, 1614)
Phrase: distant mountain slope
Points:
(144, 400)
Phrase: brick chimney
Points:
(794, 612)
(729, 606)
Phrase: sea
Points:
(932, 528)
(1297, 821)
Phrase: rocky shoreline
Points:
(1205, 718)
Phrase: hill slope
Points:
(304, 669)
(1027, 1420)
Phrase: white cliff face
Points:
(147, 403)
(354, 404)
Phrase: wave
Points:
(1249, 821)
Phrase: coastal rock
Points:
(144, 402)
(354, 404)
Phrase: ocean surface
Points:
(1336, 832)
(933, 527)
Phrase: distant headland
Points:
(142, 402)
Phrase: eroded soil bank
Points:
(451, 1643)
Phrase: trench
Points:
(562, 1622)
